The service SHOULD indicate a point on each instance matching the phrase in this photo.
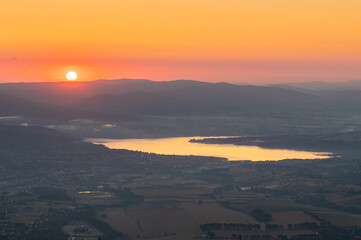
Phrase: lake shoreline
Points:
(189, 146)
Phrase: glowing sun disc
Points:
(71, 76)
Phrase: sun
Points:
(71, 76)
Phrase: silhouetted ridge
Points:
(216, 98)
(117, 98)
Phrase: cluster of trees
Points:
(300, 237)
(261, 215)
(128, 197)
(257, 237)
(321, 202)
(322, 231)
(229, 226)
(274, 227)
(305, 225)
(297, 226)
(50, 193)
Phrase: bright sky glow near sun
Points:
(258, 41)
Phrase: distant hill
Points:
(204, 99)
(32, 137)
(344, 98)
(66, 93)
(126, 98)
(318, 86)
(12, 105)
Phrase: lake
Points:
(182, 146)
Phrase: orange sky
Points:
(258, 41)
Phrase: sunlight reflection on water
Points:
(182, 146)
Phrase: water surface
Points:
(182, 146)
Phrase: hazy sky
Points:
(255, 41)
